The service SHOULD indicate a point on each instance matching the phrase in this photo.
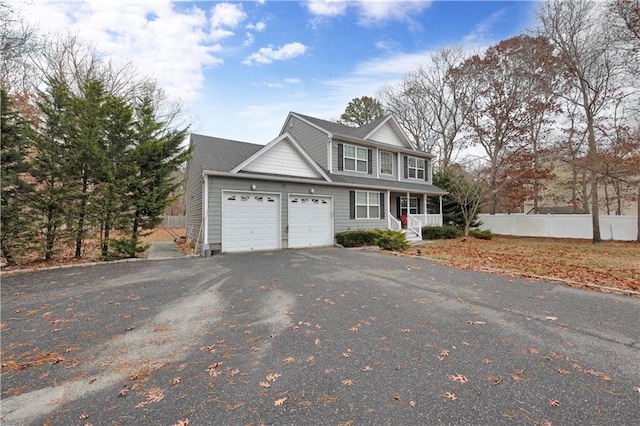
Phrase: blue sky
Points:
(239, 67)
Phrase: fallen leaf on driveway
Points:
(554, 403)
(279, 402)
(459, 378)
(273, 376)
(551, 318)
(452, 396)
(265, 384)
(184, 422)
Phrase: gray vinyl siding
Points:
(194, 198)
(313, 140)
(341, 220)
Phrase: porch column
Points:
(388, 212)
(441, 220)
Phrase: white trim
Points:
(381, 184)
(355, 159)
(205, 209)
(380, 152)
(279, 194)
(330, 155)
(322, 129)
(416, 168)
(368, 205)
(273, 143)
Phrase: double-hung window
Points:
(367, 205)
(356, 159)
(416, 168)
(386, 163)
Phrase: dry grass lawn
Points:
(580, 262)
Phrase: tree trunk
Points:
(638, 213)
(83, 212)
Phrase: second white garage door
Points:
(310, 221)
(250, 221)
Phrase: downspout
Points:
(205, 216)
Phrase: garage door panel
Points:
(250, 221)
(310, 221)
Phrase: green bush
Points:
(356, 238)
(440, 232)
(126, 247)
(389, 239)
(482, 235)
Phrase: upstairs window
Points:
(356, 159)
(386, 163)
(415, 168)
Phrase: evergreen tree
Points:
(361, 111)
(48, 169)
(112, 202)
(158, 152)
(17, 136)
(85, 155)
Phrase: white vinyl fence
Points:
(174, 222)
(621, 228)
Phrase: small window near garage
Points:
(367, 205)
(386, 163)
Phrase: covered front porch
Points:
(410, 211)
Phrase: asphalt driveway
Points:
(321, 336)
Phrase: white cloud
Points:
(369, 11)
(267, 55)
(258, 26)
(249, 39)
(153, 35)
(327, 8)
(372, 11)
(480, 36)
(292, 80)
(227, 15)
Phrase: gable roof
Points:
(221, 154)
(296, 160)
(364, 133)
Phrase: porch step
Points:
(411, 236)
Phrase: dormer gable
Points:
(389, 132)
(282, 156)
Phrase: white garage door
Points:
(250, 221)
(310, 221)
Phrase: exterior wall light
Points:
(253, 187)
(311, 191)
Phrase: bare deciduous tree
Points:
(427, 104)
(577, 30)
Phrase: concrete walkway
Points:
(164, 250)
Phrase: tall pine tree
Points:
(17, 141)
(158, 152)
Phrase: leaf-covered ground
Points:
(580, 262)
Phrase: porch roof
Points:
(391, 185)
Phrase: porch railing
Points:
(429, 219)
(413, 224)
(394, 223)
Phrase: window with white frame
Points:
(386, 163)
(416, 168)
(367, 205)
(356, 159)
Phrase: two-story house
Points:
(317, 178)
